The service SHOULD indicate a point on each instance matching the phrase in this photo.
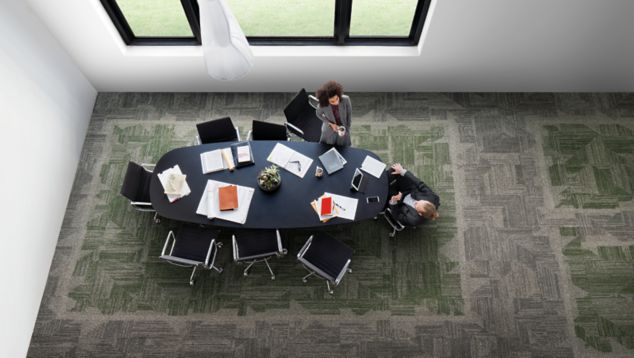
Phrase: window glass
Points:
(382, 17)
(276, 18)
(156, 18)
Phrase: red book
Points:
(326, 205)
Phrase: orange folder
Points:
(227, 197)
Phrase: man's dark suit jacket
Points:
(410, 184)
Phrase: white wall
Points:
(45, 108)
(471, 45)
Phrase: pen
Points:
(340, 207)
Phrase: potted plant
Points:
(269, 178)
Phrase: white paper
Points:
(243, 153)
(346, 207)
(373, 167)
(289, 159)
(208, 205)
(212, 161)
(164, 177)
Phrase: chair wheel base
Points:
(391, 235)
(191, 283)
(272, 277)
(245, 274)
(304, 280)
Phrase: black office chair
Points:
(192, 247)
(217, 130)
(136, 187)
(301, 119)
(267, 131)
(393, 222)
(327, 257)
(252, 246)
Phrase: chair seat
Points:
(310, 124)
(328, 254)
(256, 243)
(193, 243)
(136, 183)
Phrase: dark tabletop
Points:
(289, 206)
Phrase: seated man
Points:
(414, 201)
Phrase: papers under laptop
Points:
(209, 207)
(373, 167)
(332, 160)
(289, 159)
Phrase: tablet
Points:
(357, 180)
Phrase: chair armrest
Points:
(197, 140)
(343, 272)
(237, 133)
(249, 134)
(280, 248)
(170, 235)
(389, 216)
(179, 261)
(291, 127)
(235, 248)
(301, 252)
(313, 101)
(211, 247)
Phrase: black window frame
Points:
(341, 30)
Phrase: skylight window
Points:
(275, 22)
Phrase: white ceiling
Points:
(469, 45)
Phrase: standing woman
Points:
(335, 111)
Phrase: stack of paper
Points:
(174, 183)
(216, 160)
(345, 207)
(289, 159)
(372, 166)
(209, 205)
(325, 213)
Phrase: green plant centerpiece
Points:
(269, 178)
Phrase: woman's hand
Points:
(334, 127)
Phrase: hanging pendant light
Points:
(225, 48)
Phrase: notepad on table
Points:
(227, 197)
(216, 160)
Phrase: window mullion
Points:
(119, 21)
(343, 10)
(419, 20)
(192, 12)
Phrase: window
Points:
(275, 22)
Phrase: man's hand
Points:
(396, 198)
(397, 169)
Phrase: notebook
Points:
(326, 205)
(227, 197)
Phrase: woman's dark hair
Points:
(328, 90)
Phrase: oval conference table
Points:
(289, 206)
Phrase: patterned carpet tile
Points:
(590, 166)
(117, 269)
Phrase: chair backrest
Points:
(297, 106)
(268, 131)
(217, 130)
(301, 119)
(327, 254)
(136, 183)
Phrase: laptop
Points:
(358, 182)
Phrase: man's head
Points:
(426, 209)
